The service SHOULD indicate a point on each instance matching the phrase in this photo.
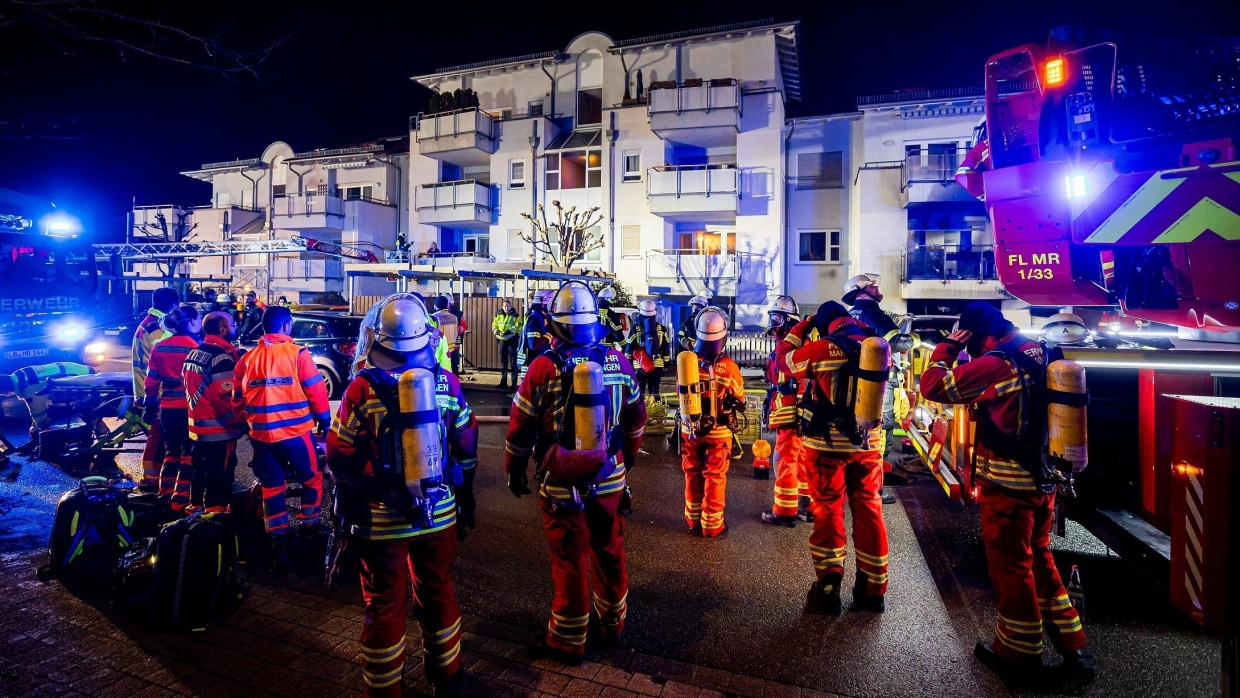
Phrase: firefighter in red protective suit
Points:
(395, 540)
(280, 391)
(1017, 501)
(163, 300)
(975, 162)
(791, 488)
(649, 349)
(841, 459)
(582, 493)
(705, 450)
(165, 398)
(214, 426)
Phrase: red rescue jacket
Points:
(163, 376)
(208, 376)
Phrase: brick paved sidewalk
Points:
(291, 639)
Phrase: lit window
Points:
(819, 246)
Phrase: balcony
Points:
(950, 271)
(466, 137)
(309, 212)
(702, 193)
(688, 271)
(461, 204)
(696, 112)
(930, 175)
(306, 273)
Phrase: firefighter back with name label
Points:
(580, 483)
(405, 525)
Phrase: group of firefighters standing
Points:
(402, 449)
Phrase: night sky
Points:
(342, 74)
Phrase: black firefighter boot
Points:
(1081, 660)
(865, 601)
(279, 553)
(805, 511)
(823, 598)
(770, 517)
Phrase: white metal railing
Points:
(695, 264)
(466, 192)
(706, 97)
(692, 180)
(453, 123)
(309, 204)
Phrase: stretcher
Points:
(78, 439)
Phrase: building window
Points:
(593, 256)
(630, 241)
(632, 166)
(516, 245)
(516, 174)
(536, 108)
(479, 245)
(277, 190)
(820, 170)
(819, 246)
(589, 107)
(574, 169)
(249, 260)
(353, 193)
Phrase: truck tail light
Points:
(1056, 72)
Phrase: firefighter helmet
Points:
(700, 300)
(574, 315)
(607, 293)
(782, 311)
(1065, 329)
(402, 335)
(712, 332)
(647, 308)
(543, 297)
(856, 284)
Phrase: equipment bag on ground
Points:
(91, 528)
(195, 572)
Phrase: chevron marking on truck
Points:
(1177, 206)
(1193, 527)
(1208, 214)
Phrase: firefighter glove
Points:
(150, 412)
(615, 441)
(519, 484)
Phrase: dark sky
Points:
(342, 75)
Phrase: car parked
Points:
(331, 338)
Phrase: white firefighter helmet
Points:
(1065, 329)
(854, 285)
(782, 311)
(712, 332)
(607, 293)
(574, 315)
(402, 334)
(647, 308)
(700, 300)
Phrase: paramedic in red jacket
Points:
(281, 393)
(213, 424)
(1017, 507)
(837, 466)
(165, 397)
(583, 516)
(392, 547)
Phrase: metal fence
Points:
(481, 350)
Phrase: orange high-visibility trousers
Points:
(788, 482)
(859, 475)
(1016, 529)
(705, 461)
(587, 547)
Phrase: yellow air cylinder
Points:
(419, 437)
(1066, 423)
(589, 412)
(868, 407)
(688, 385)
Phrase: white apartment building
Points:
(930, 241)
(352, 196)
(678, 139)
(682, 142)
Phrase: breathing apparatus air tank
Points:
(421, 448)
(871, 382)
(689, 386)
(589, 408)
(1066, 423)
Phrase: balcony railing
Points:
(692, 180)
(704, 96)
(935, 167)
(453, 123)
(313, 204)
(949, 263)
(699, 113)
(464, 192)
(694, 264)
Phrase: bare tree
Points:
(566, 239)
(159, 229)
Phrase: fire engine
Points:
(1110, 175)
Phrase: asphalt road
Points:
(736, 604)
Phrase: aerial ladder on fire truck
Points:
(137, 251)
